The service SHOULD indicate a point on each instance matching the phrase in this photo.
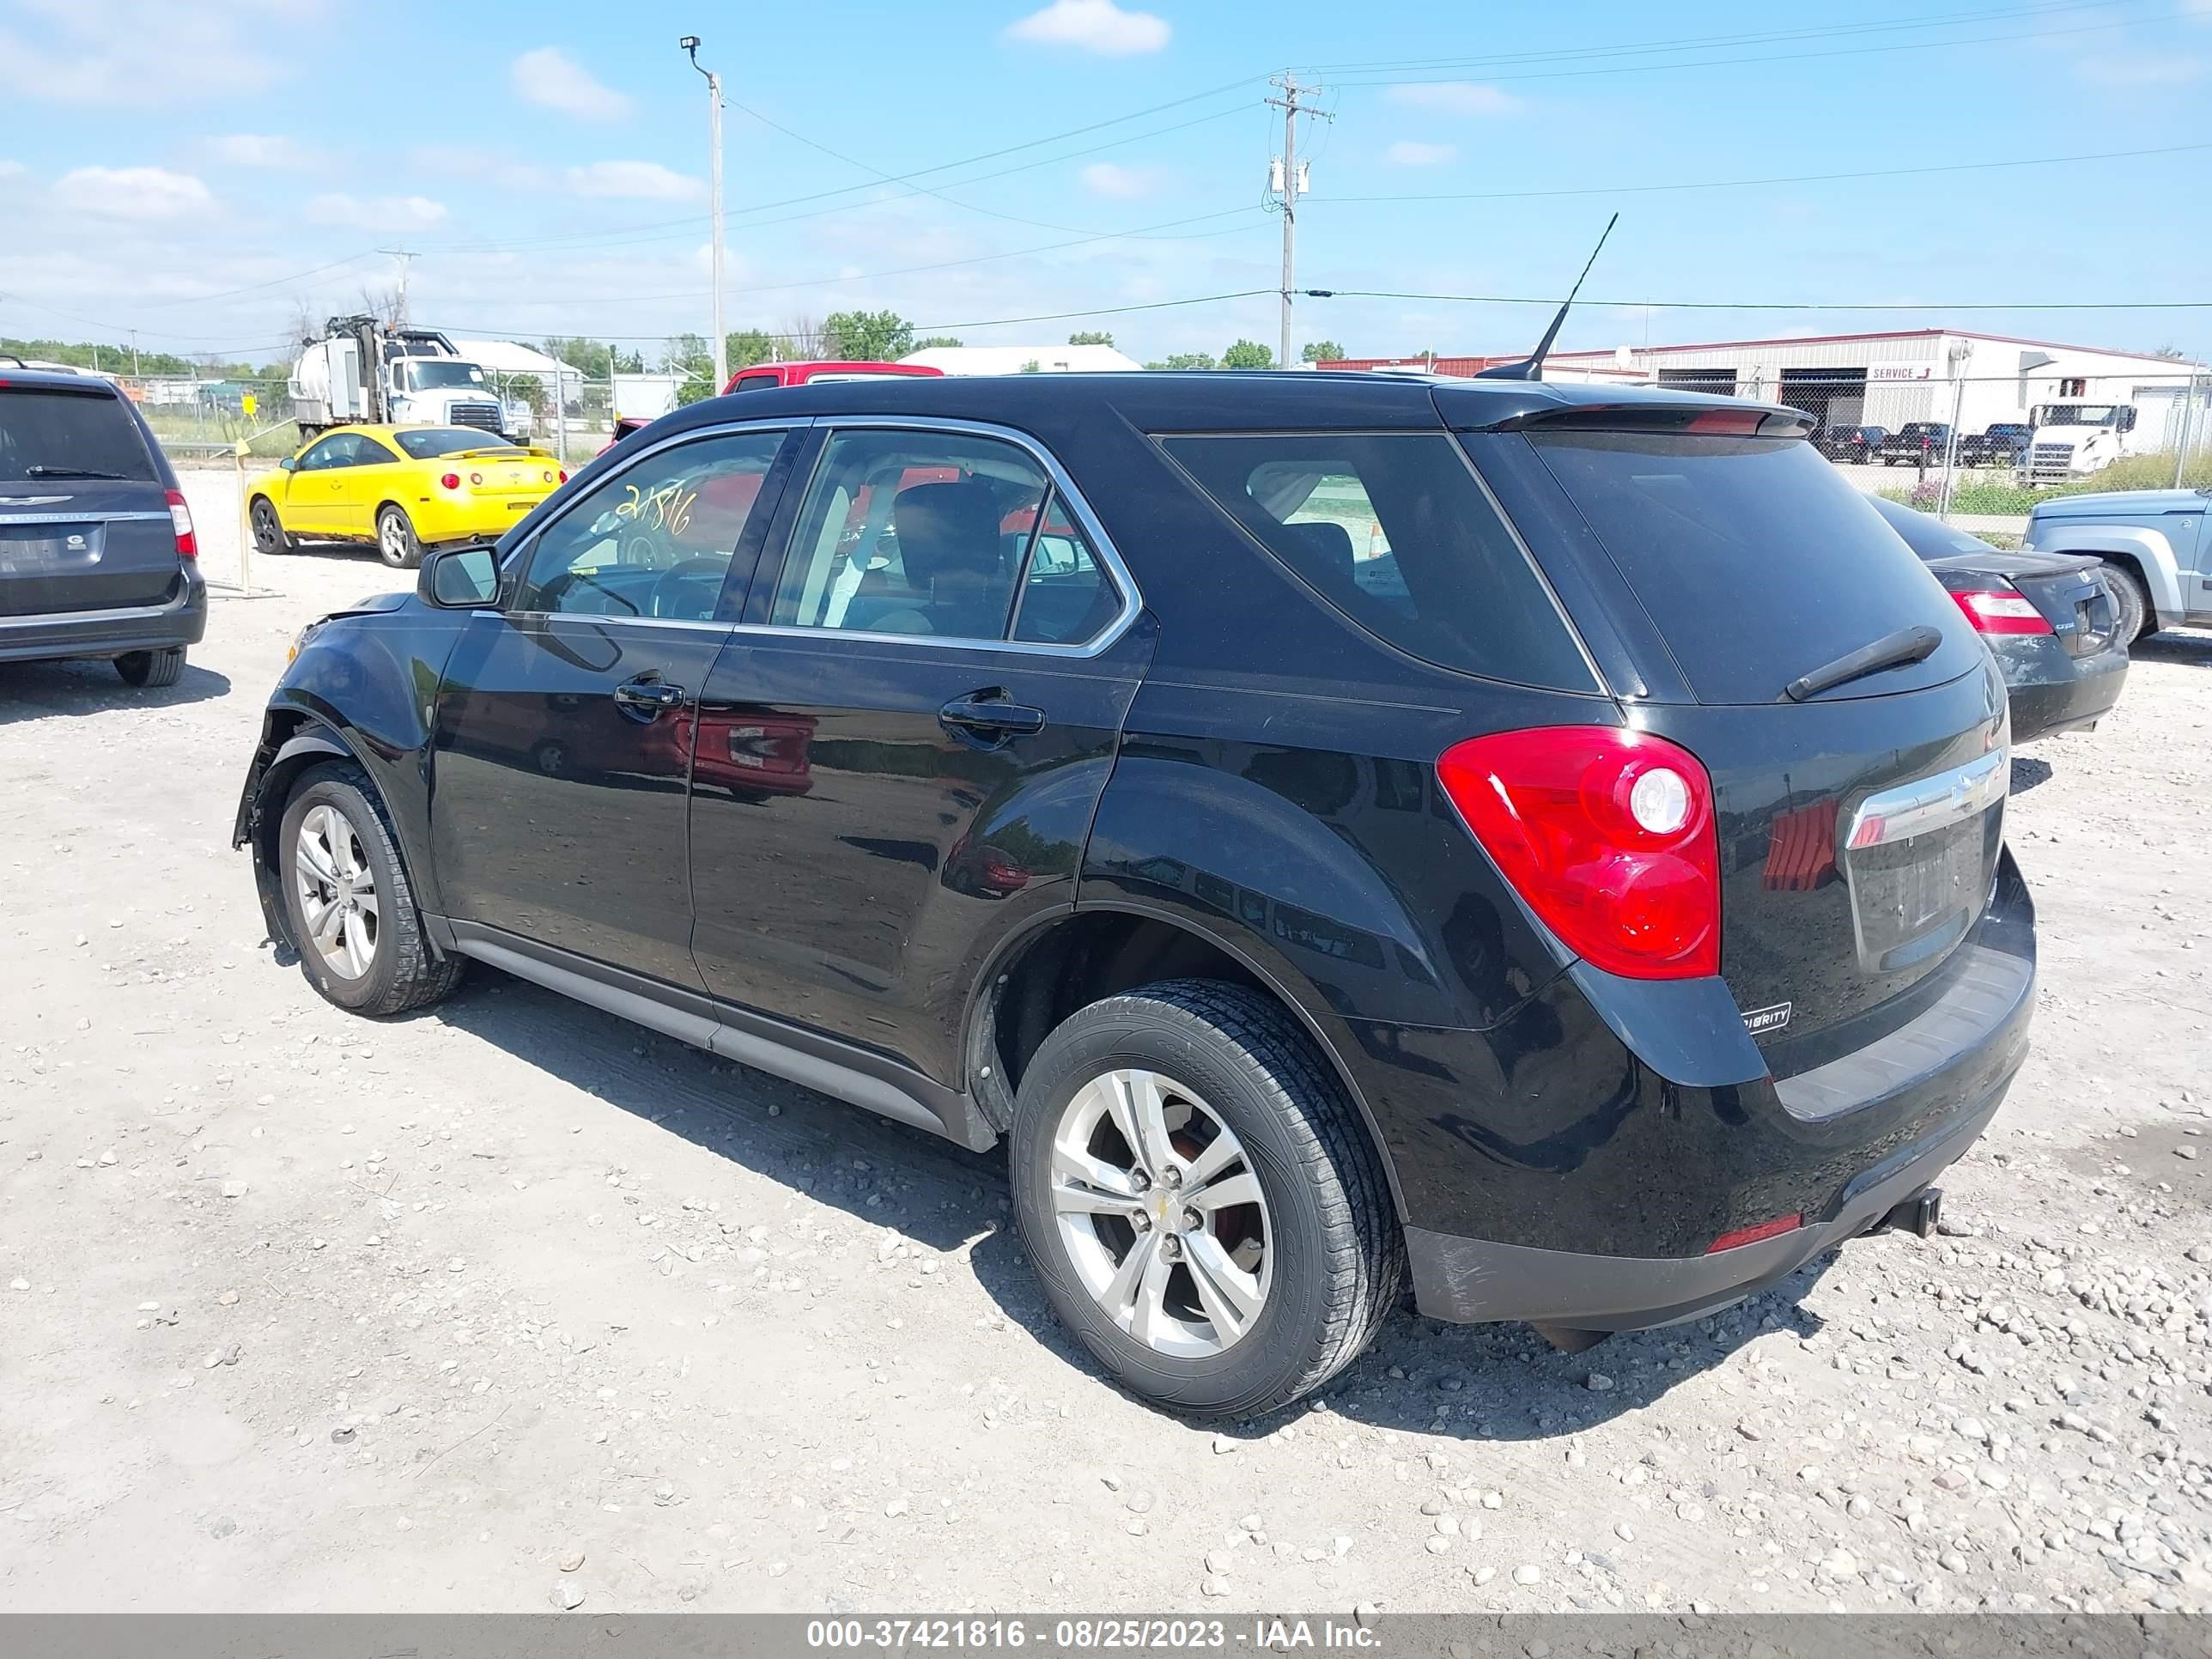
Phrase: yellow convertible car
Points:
(401, 488)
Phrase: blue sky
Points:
(201, 173)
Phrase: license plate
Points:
(1913, 899)
(47, 555)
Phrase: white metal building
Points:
(1016, 359)
(1922, 375)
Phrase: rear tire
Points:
(335, 850)
(1316, 1253)
(151, 668)
(2137, 621)
(396, 541)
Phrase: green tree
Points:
(935, 340)
(1247, 353)
(1090, 337)
(691, 356)
(749, 346)
(1186, 360)
(1319, 351)
(866, 335)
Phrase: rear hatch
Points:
(84, 514)
(1709, 567)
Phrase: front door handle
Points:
(648, 694)
(991, 716)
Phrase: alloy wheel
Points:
(391, 534)
(268, 534)
(1159, 1209)
(336, 891)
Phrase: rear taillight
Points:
(1606, 834)
(451, 481)
(476, 478)
(564, 476)
(2002, 610)
(188, 542)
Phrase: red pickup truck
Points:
(762, 376)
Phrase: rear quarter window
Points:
(1393, 530)
(70, 431)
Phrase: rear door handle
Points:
(648, 694)
(990, 715)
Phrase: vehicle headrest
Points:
(1329, 545)
(947, 527)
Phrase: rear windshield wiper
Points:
(1907, 645)
(71, 473)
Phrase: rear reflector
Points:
(1606, 834)
(1774, 1229)
(188, 543)
(2002, 610)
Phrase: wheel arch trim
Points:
(982, 1003)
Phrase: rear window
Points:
(1753, 556)
(1925, 534)
(1394, 532)
(68, 433)
(445, 440)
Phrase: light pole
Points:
(691, 44)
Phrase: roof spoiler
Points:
(1531, 368)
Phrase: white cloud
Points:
(1469, 98)
(1098, 26)
(550, 76)
(12, 169)
(2142, 68)
(1408, 154)
(132, 193)
(377, 213)
(2199, 9)
(639, 181)
(1125, 184)
(260, 149)
(153, 53)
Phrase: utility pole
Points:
(691, 44)
(402, 255)
(1286, 182)
(2188, 419)
(134, 354)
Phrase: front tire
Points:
(396, 544)
(2135, 619)
(151, 668)
(347, 904)
(269, 536)
(1201, 1199)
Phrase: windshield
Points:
(2081, 415)
(433, 374)
(448, 440)
(81, 432)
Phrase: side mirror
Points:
(289, 462)
(459, 579)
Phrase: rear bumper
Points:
(1470, 1280)
(1839, 1144)
(2050, 692)
(182, 621)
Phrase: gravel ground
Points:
(511, 1305)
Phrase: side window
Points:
(756, 383)
(336, 450)
(1066, 596)
(369, 452)
(911, 532)
(656, 539)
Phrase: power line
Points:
(1747, 184)
(1766, 305)
(1696, 43)
(1771, 58)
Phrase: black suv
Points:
(2001, 444)
(98, 558)
(1548, 835)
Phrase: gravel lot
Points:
(511, 1303)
